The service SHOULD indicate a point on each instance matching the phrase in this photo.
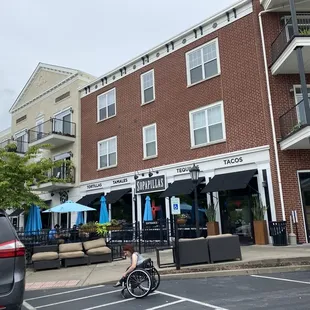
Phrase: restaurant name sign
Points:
(148, 185)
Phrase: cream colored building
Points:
(5, 137)
(47, 111)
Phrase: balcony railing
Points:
(53, 126)
(18, 146)
(293, 120)
(64, 172)
(287, 35)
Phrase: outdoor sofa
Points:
(97, 251)
(72, 254)
(45, 257)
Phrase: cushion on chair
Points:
(99, 251)
(44, 256)
(94, 244)
(74, 254)
(190, 239)
(70, 247)
(219, 236)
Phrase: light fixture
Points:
(194, 171)
(136, 176)
(150, 173)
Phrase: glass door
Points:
(304, 179)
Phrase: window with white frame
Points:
(107, 153)
(150, 141)
(207, 125)
(203, 62)
(106, 105)
(21, 139)
(148, 86)
(301, 114)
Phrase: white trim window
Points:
(21, 139)
(40, 128)
(207, 125)
(106, 105)
(107, 153)
(150, 141)
(63, 123)
(203, 62)
(148, 87)
(301, 113)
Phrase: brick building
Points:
(200, 97)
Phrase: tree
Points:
(18, 175)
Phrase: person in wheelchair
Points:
(136, 259)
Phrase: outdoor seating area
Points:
(71, 254)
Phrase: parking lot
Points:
(270, 291)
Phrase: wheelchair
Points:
(142, 281)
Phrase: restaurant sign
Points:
(94, 186)
(148, 185)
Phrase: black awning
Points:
(182, 187)
(115, 196)
(88, 199)
(16, 212)
(229, 181)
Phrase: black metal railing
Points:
(52, 126)
(293, 120)
(146, 239)
(18, 146)
(65, 172)
(286, 35)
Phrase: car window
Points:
(6, 231)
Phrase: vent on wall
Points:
(21, 119)
(65, 95)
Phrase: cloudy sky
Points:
(93, 36)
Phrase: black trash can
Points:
(278, 233)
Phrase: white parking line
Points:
(167, 304)
(115, 302)
(280, 279)
(193, 301)
(27, 306)
(66, 292)
(76, 299)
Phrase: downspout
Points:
(275, 144)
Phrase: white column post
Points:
(139, 210)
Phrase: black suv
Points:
(12, 266)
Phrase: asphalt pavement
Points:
(289, 291)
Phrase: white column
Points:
(262, 196)
(110, 212)
(139, 210)
(167, 204)
(271, 196)
(133, 203)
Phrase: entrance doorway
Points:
(304, 181)
(236, 211)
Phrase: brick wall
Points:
(290, 161)
(238, 86)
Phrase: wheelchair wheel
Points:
(139, 283)
(155, 279)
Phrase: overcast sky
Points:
(94, 36)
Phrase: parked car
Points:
(12, 266)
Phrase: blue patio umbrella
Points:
(79, 219)
(147, 210)
(104, 216)
(34, 222)
(69, 206)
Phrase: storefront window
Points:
(122, 209)
(157, 204)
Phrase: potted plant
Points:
(114, 225)
(212, 224)
(182, 218)
(88, 227)
(101, 230)
(259, 223)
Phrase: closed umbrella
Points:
(104, 216)
(80, 218)
(34, 222)
(147, 210)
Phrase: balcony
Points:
(55, 132)
(18, 146)
(63, 172)
(295, 129)
(284, 58)
(284, 5)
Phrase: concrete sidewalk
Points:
(253, 257)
